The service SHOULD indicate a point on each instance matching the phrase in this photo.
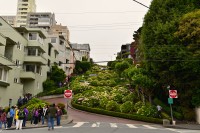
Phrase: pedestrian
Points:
(21, 115)
(1, 112)
(44, 113)
(51, 115)
(33, 116)
(58, 115)
(40, 111)
(159, 108)
(10, 116)
(20, 102)
(26, 117)
(3, 119)
(16, 115)
(36, 116)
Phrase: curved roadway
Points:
(82, 116)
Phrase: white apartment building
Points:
(26, 56)
(23, 8)
(81, 50)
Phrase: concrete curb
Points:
(51, 97)
(192, 127)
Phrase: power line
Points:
(141, 4)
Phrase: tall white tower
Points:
(23, 8)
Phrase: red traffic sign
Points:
(68, 94)
(173, 94)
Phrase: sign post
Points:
(68, 95)
(172, 94)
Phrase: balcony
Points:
(2, 41)
(35, 43)
(27, 75)
(5, 61)
(3, 83)
(35, 59)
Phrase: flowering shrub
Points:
(103, 103)
(91, 102)
(117, 97)
(149, 111)
(111, 106)
(138, 105)
(126, 107)
(130, 97)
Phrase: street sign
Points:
(68, 94)
(170, 100)
(173, 94)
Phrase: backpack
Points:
(8, 115)
(21, 114)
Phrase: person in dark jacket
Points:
(51, 115)
(21, 115)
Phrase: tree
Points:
(82, 66)
(57, 75)
(121, 66)
(167, 57)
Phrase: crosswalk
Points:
(111, 125)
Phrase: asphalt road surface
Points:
(103, 127)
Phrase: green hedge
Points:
(118, 114)
(53, 92)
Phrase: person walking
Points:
(3, 119)
(21, 115)
(44, 114)
(51, 115)
(36, 116)
(12, 113)
(58, 115)
(159, 108)
(33, 116)
(26, 117)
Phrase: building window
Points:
(16, 80)
(38, 70)
(49, 62)
(31, 51)
(32, 36)
(3, 74)
(17, 62)
(53, 40)
(19, 45)
(30, 68)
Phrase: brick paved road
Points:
(78, 116)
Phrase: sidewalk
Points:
(64, 121)
(190, 126)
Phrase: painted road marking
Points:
(131, 126)
(113, 124)
(79, 124)
(150, 127)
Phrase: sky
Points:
(104, 24)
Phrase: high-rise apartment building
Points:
(23, 8)
(43, 20)
(10, 19)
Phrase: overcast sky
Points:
(104, 24)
